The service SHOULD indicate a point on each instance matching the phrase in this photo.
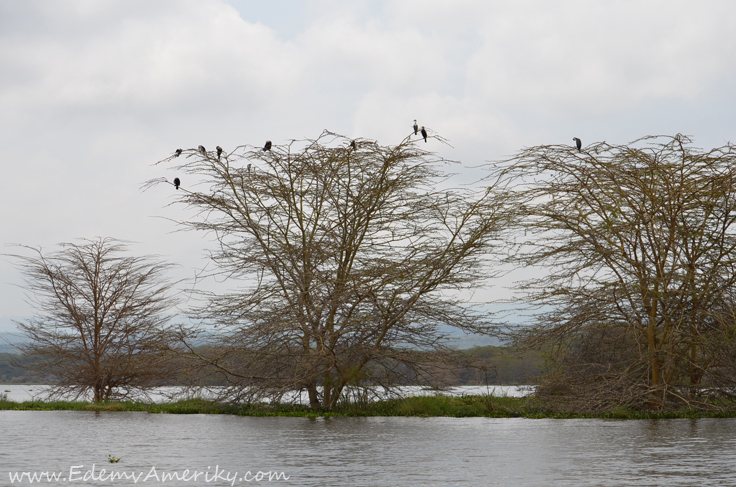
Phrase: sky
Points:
(94, 92)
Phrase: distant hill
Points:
(13, 372)
(7, 340)
(470, 341)
(505, 366)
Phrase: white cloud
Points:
(599, 57)
(93, 92)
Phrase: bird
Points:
(219, 151)
(353, 145)
(416, 127)
(248, 168)
(202, 150)
(177, 183)
(267, 146)
(177, 153)
(578, 143)
(424, 134)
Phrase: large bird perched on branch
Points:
(219, 151)
(202, 150)
(177, 183)
(424, 134)
(267, 146)
(578, 143)
(177, 153)
(416, 127)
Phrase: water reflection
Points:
(377, 451)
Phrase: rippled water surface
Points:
(367, 451)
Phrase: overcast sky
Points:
(93, 92)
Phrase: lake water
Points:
(363, 451)
(20, 393)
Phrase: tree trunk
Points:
(313, 396)
(653, 358)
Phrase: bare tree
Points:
(102, 319)
(639, 243)
(348, 254)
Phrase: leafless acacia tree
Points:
(347, 257)
(639, 242)
(101, 322)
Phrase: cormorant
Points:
(177, 153)
(267, 146)
(219, 151)
(353, 145)
(177, 183)
(248, 168)
(416, 127)
(202, 150)
(578, 143)
(424, 134)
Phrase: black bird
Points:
(219, 151)
(353, 145)
(267, 146)
(416, 128)
(578, 143)
(248, 168)
(424, 134)
(202, 150)
(177, 183)
(177, 153)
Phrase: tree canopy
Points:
(638, 245)
(101, 323)
(348, 259)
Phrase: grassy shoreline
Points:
(420, 406)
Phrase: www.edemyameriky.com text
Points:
(78, 474)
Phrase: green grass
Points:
(420, 406)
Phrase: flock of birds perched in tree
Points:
(353, 146)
